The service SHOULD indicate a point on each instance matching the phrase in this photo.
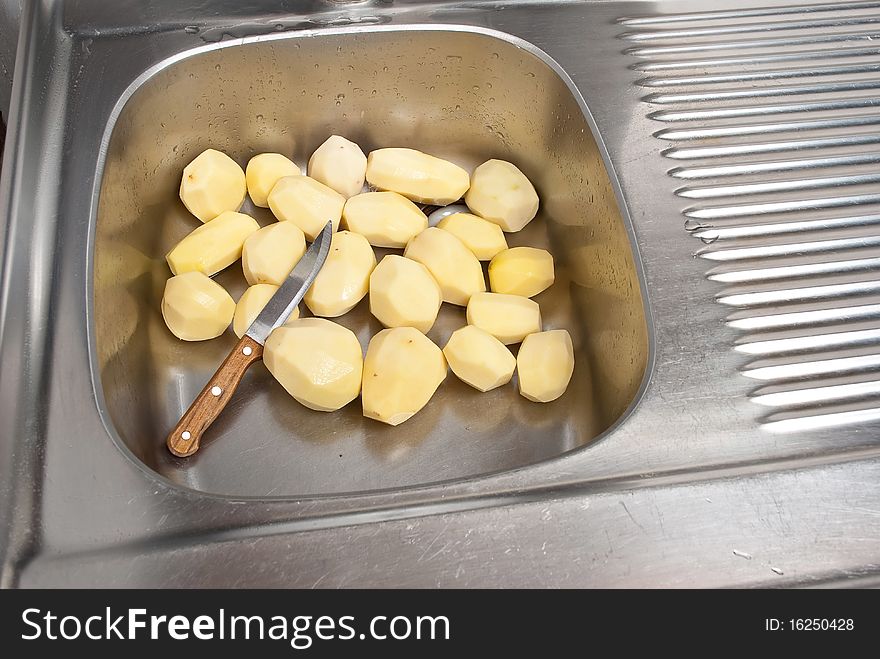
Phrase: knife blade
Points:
(185, 438)
(292, 290)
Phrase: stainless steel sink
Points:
(10, 11)
(466, 94)
(707, 184)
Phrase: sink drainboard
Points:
(773, 147)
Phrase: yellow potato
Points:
(544, 365)
(509, 318)
(485, 239)
(344, 278)
(452, 264)
(195, 307)
(263, 172)
(502, 194)
(306, 203)
(386, 219)
(339, 164)
(212, 184)
(479, 359)
(213, 246)
(404, 294)
(318, 362)
(250, 304)
(417, 176)
(269, 254)
(522, 271)
(402, 370)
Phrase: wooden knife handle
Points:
(184, 439)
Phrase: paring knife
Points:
(184, 439)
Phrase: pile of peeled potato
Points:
(320, 362)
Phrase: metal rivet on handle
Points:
(185, 434)
(247, 350)
(216, 391)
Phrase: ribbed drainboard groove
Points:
(768, 117)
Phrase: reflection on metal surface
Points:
(785, 249)
(454, 93)
(759, 148)
(804, 289)
(796, 318)
(782, 396)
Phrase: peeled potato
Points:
(195, 307)
(318, 362)
(479, 359)
(344, 278)
(213, 246)
(404, 294)
(263, 172)
(339, 164)
(386, 219)
(306, 203)
(509, 318)
(522, 271)
(417, 176)
(402, 370)
(269, 254)
(485, 239)
(545, 363)
(212, 184)
(250, 304)
(502, 194)
(452, 264)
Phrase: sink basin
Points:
(464, 94)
